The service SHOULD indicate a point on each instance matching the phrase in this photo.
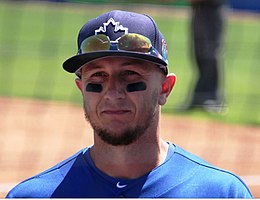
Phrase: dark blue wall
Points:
(251, 5)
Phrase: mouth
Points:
(115, 112)
(116, 119)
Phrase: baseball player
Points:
(122, 73)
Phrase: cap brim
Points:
(76, 62)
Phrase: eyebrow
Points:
(91, 67)
(135, 63)
(138, 64)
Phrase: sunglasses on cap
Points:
(131, 42)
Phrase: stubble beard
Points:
(127, 136)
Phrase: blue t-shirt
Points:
(182, 175)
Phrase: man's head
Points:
(122, 65)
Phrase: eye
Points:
(98, 77)
(129, 73)
(130, 76)
(99, 74)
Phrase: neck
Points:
(130, 161)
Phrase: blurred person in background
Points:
(206, 39)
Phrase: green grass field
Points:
(36, 38)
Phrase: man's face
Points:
(121, 97)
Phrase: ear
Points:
(167, 87)
(79, 83)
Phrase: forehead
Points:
(120, 63)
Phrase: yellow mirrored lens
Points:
(95, 43)
(134, 42)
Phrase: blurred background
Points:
(40, 107)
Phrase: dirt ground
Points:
(36, 135)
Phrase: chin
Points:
(121, 136)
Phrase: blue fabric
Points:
(182, 175)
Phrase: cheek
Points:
(145, 100)
(92, 95)
(91, 100)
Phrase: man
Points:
(123, 77)
(207, 24)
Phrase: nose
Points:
(115, 90)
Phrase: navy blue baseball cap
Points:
(108, 29)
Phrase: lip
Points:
(115, 112)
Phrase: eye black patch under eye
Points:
(92, 87)
(134, 87)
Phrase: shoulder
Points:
(45, 183)
(211, 180)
